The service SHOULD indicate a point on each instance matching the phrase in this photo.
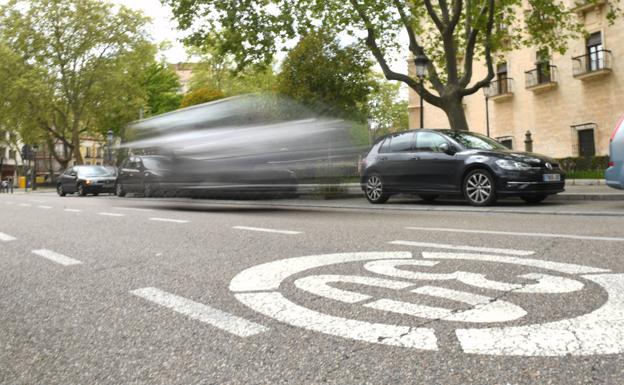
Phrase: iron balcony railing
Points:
(594, 61)
(542, 74)
(502, 86)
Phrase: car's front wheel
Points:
(148, 190)
(375, 189)
(534, 199)
(119, 190)
(60, 191)
(479, 188)
(81, 190)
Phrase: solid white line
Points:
(542, 235)
(112, 214)
(45, 207)
(73, 210)
(168, 220)
(464, 248)
(6, 237)
(56, 257)
(200, 312)
(267, 230)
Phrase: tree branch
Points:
(472, 34)
(434, 16)
(371, 42)
(444, 10)
(488, 54)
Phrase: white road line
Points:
(6, 238)
(73, 210)
(464, 248)
(267, 230)
(8, 203)
(36, 201)
(112, 214)
(25, 204)
(540, 235)
(200, 312)
(168, 220)
(45, 207)
(56, 257)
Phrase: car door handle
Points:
(382, 158)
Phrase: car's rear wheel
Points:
(81, 190)
(148, 190)
(534, 199)
(429, 197)
(479, 188)
(375, 189)
(60, 191)
(119, 190)
(96, 194)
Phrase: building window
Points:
(88, 152)
(2, 152)
(586, 143)
(542, 65)
(501, 77)
(595, 52)
(506, 141)
(12, 154)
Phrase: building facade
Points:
(10, 158)
(566, 105)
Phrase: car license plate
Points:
(552, 177)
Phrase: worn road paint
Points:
(168, 220)
(73, 210)
(45, 207)
(288, 232)
(56, 257)
(200, 312)
(25, 204)
(318, 285)
(519, 234)
(6, 238)
(112, 214)
(463, 248)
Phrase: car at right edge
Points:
(614, 175)
(431, 163)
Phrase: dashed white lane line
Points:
(45, 207)
(56, 257)
(73, 210)
(112, 214)
(200, 312)
(8, 203)
(288, 232)
(25, 204)
(168, 220)
(37, 201)
(464, 248)
(518, 234)
(131, 209)
(6, 238)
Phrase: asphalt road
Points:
(106, 290)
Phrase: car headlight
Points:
(507, 164)
(87, 182)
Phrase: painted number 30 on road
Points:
(598, 332)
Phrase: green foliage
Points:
(162, 86)
(584, 167)
(388, 113)
(79, 70)
(319, 72)
(201, 95)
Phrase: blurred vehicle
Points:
(615, 173)
(85, 180)
(435, 162)
(143, 175)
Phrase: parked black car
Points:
(85, 180)
(435, 162)
(142, 174)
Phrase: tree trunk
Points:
(454, 110)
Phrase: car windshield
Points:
(155, 163)
(474, 141)
(94, 171)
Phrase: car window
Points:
(429, 141)
(385, 146)
(401, 142)
(93, 171)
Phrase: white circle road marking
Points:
(599, 332)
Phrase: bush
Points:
(591, 167)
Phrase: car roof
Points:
(442, 130)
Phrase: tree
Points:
(342, 91)
(450, 34)
(201, 95)
(162, 86)
(388, 112)
(82, 60)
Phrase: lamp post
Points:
(34, 167)
(421, 62)
(486, 93)
(109, 154)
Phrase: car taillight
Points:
(619, 124)
(611, 164)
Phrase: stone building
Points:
(568, 103)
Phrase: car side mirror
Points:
(447, 149)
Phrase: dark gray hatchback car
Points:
(445, 162)
(84, 180)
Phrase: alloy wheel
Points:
(375, 190)
(479, 188)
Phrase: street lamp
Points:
(421, 62)
(486, 93)
(110, 138)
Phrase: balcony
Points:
(500, 89)
(541, 79)
(592, 65)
